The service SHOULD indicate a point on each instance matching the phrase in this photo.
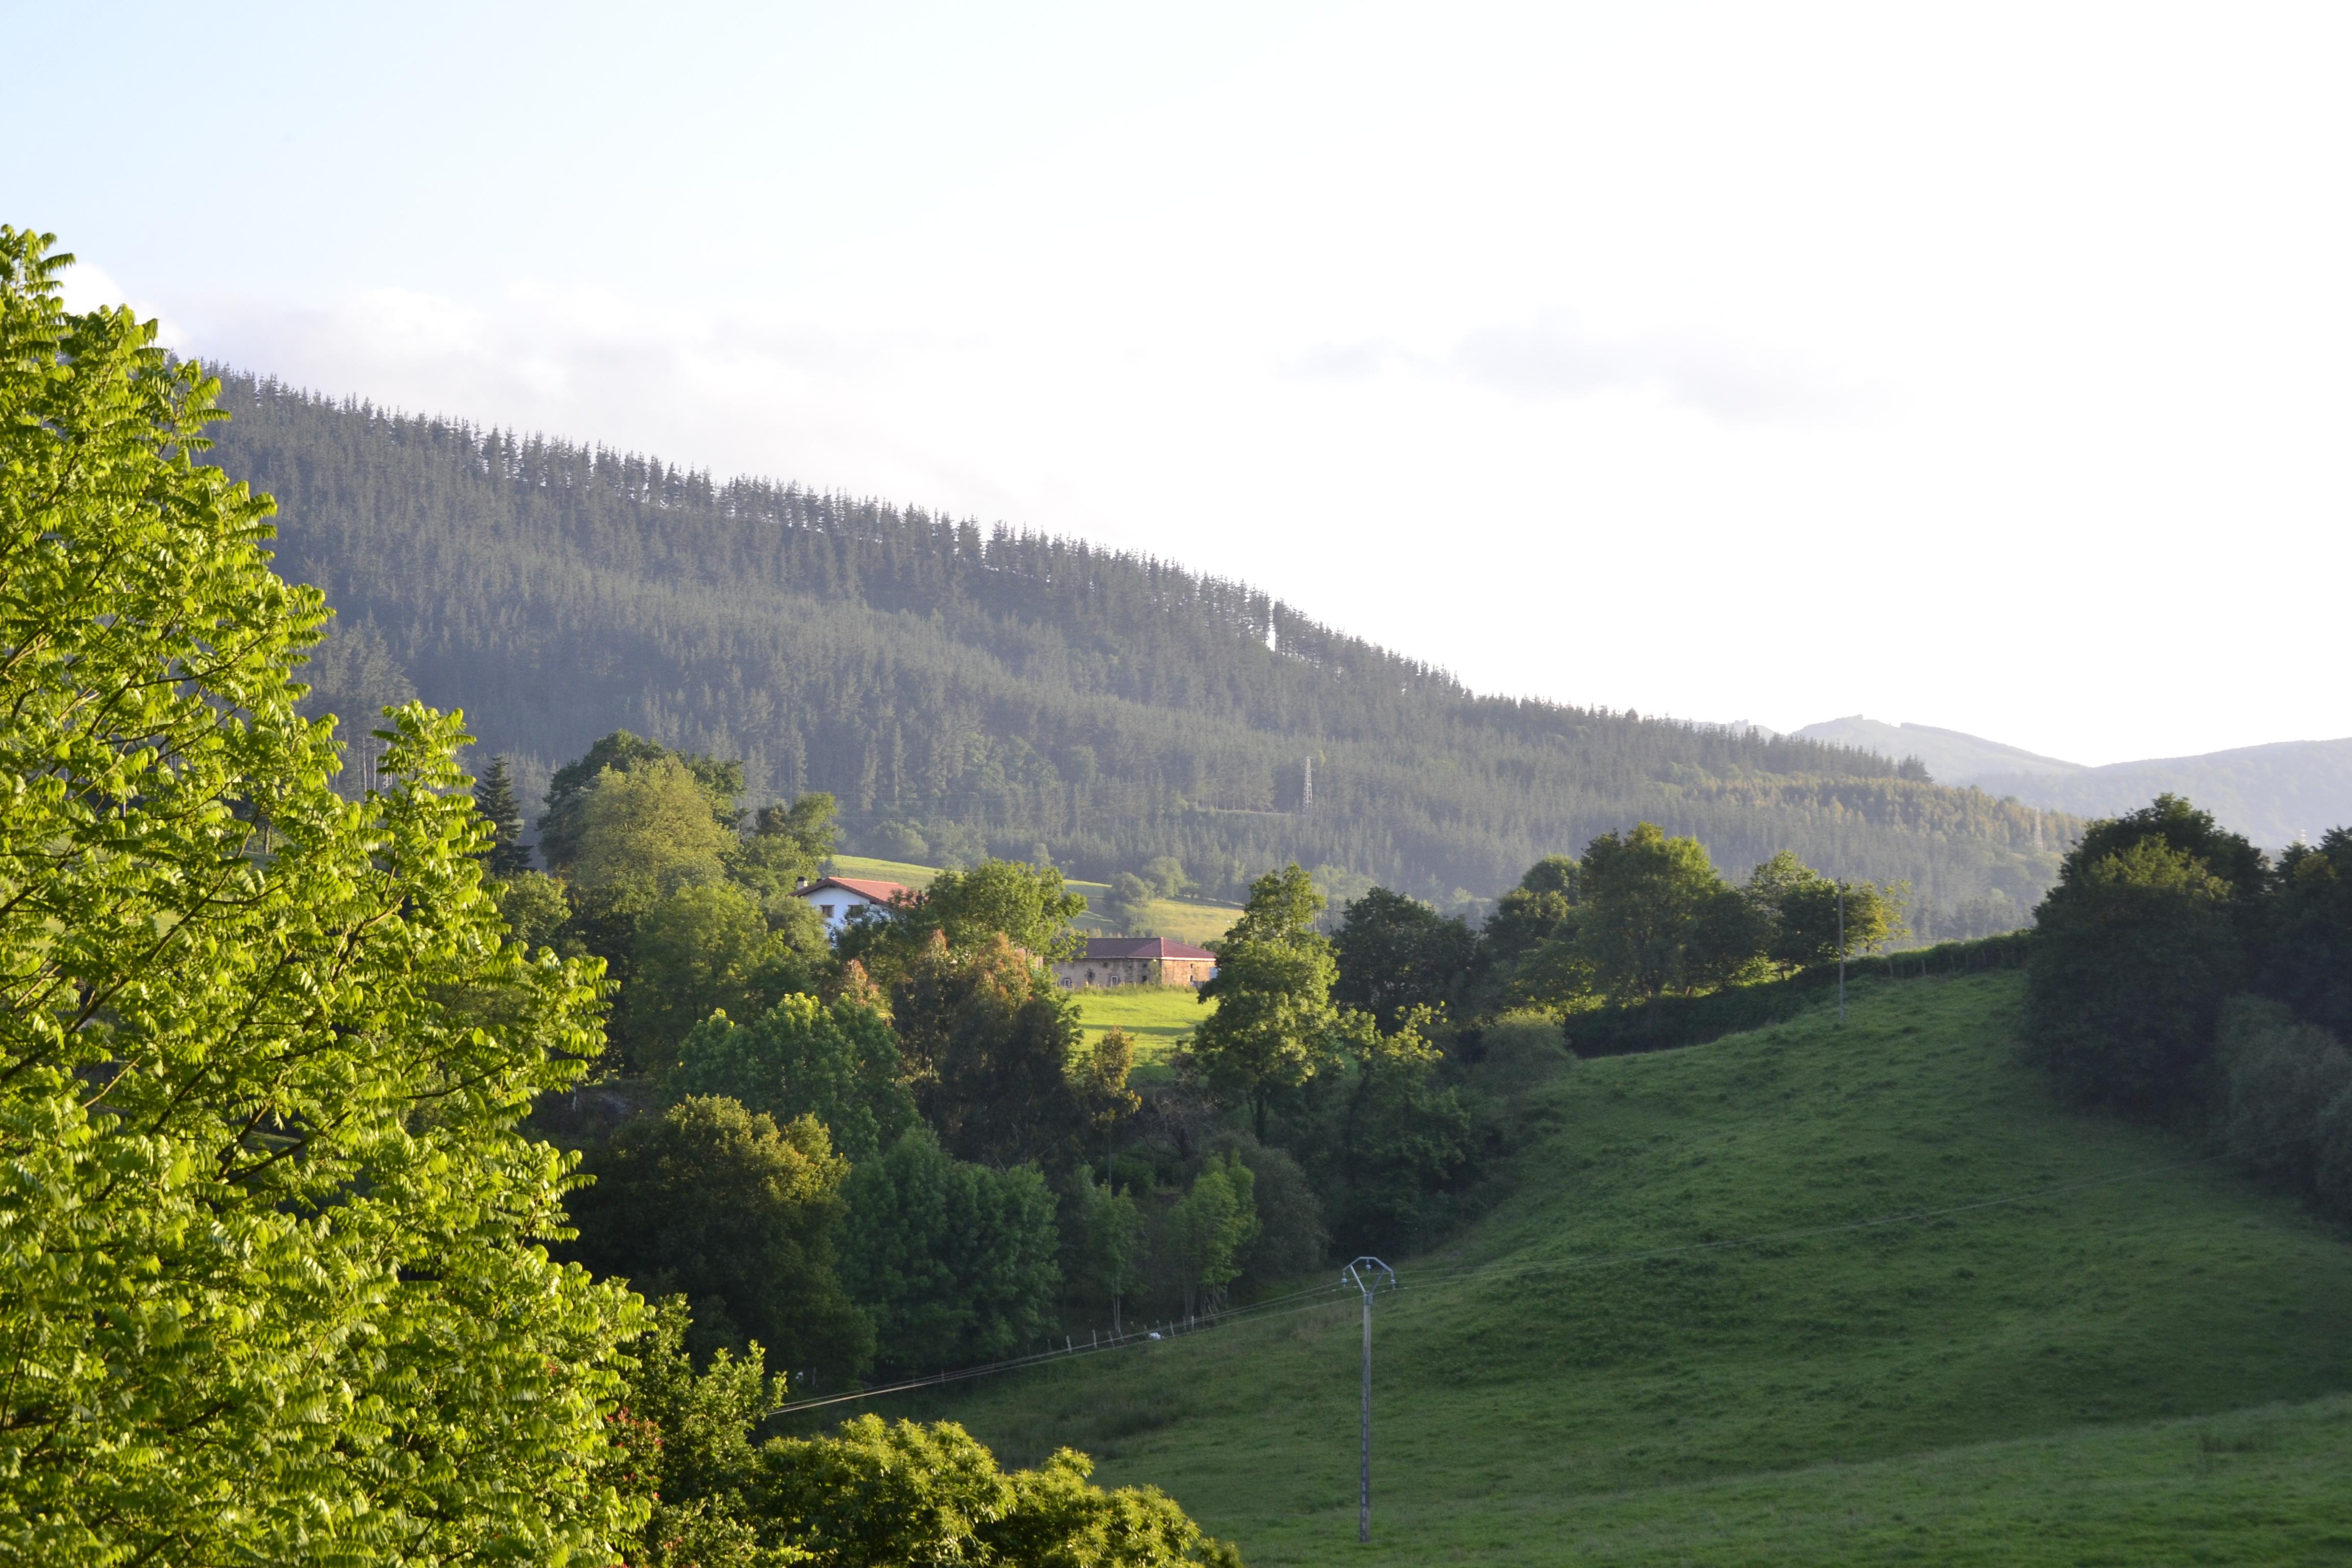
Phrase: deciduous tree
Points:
(955, 1262)
(836, 1061)
(738, 1213)
(1272, 1029)
(268, 1291)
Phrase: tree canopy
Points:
(269, 1286)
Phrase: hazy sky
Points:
(1982, 366)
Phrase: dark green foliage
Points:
(788, 844)
(1654, 916)
(2306, 932)
(2133, 953)
(1396, 953)
(1131, 900)
(1398, 1138)
(954, 1262)
(835, 1061)
(737, 1213)
(991, 1046)
(1210, 1229)
(505, 856)
(2182, 829)
(1527, 950)
(1292, 1236)
(1008, 689)
(1807, 919)
(534, 907)
(2286, 1097)
(1103, 1245)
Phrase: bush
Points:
(2286, 1095)
(875, 1495)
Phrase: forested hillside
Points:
(1001, 691)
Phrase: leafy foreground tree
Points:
(871, 1495)
(267, 1286)
(878, 1496)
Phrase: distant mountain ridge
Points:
(991, 691)
(1952, 757)
(2272, 794)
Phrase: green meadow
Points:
(1680, 1334)
(1159, 1018)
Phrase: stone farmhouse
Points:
(1136, 960)
(838, 898)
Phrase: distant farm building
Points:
(1136, 960)
(839, 898)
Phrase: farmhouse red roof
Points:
(880, 892)
(1108, 947)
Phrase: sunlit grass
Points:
(2145, 1369)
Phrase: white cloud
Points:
(1983, 369)
(1554, 359)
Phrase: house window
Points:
(825, 909)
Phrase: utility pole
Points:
(1840, 952)
(1370, 1276)
(1307, 785)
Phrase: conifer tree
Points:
(494, 797)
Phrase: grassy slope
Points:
(1160, 1017)
(2138, 1372)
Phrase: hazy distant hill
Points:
(2271, 793)
(1951, 757)
(985, 691)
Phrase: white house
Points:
(838, 898)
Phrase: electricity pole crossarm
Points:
(1370, 1276)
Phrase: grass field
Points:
(2135, 1359)
(1160, 1017)
(866, 867)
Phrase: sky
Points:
(1980, 366)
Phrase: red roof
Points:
(880, 892)
(1108, 947)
